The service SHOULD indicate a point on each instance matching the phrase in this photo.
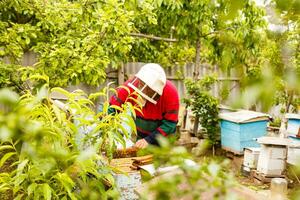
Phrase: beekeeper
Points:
(160, 103)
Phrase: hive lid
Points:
(294, 143)
(244, 116)
(292, 116)
(252, 149)
(267, 140)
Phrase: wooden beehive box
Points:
(272, 157)
(293, 155)
(251, 155)
(127, 177)
(240, 129)
(293, 125)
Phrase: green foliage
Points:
(279, 71)
(231, 34)
(74, 40)
(176, 55)
(290, 8)
(204, 105)
(54, 156)
(207, 178)
(10, 77)
(287, 48)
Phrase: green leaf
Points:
(131, 123)
(27, 40)
(105, 107)
(4, 188)
(62, 91)
(47, 191)
(112, 90)
(31, 188)
(96, 95)
(6, 157)
(6, 147)
(85, 102)
(21, 166)
(66, 181)
(40, 77)
(136, 102)
(18, 180)
(124, 131)
(116, 108)
(110, 179)
(57, 113)
(124, 87)
(19, 197)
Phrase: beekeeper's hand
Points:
(141, 144)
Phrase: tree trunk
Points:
(195, 78)
(121, 74)
(289, 101)
(197, 61)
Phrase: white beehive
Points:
(272, 157)
(293, 156)
(127, 183)
(293, 124)
(251, 157)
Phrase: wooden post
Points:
(121, 74)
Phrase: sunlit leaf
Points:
(6, 157)
(19, 197)
(114, 91)
(40, 77)
(4, 187)
(94, 96)
(62, 91)
(57, 113)
(31, 188)
(19, 179)
(125, 88)
(5, 147)
(21, 166)
(116, 108)
(47, 191)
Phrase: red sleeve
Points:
(171, 103)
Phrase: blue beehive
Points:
(240, 129)
(293, 125)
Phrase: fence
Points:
(128, 70)
(187, 72)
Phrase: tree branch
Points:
(153, 37)
(216, 32)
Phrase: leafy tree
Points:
(280, 65)
(228, 34)
(224, 33)
(287, 47)
(74, 40)
(10, 77)
(204, 106)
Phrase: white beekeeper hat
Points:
(153, 76)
